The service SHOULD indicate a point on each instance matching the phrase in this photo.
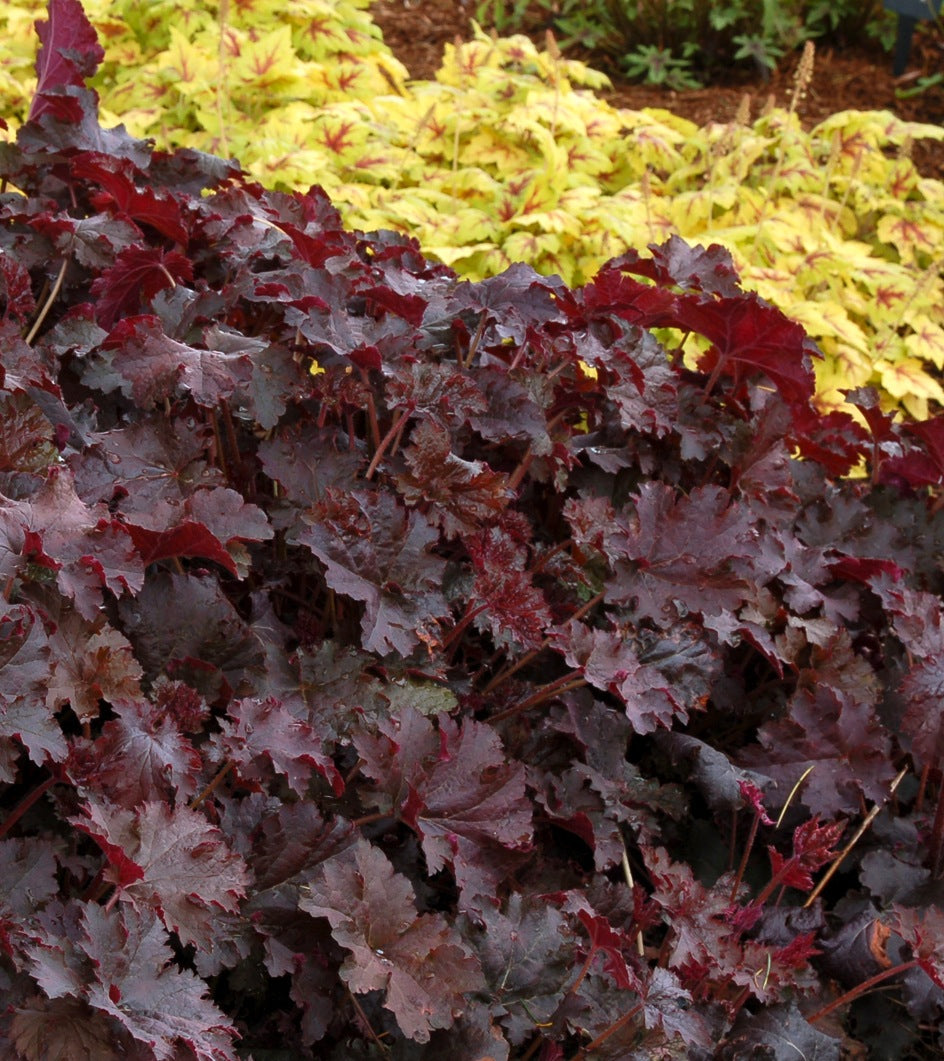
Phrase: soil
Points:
(857, 78)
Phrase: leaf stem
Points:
(514, 480)
(24, 805)
(214, 784)
(937, 835)
(584, 969)
(230, 432)
(837, 861)
(451, 640)
(860, 989)
(606, 1033)
(218, 441)
(742, 865)
(47, 305)
(369, 819)
(565, 684)
(368, 1027)
(385, 442)
(371, 413)
(512, 668)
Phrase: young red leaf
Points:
(145, 364)
(686, 554)
(16, 293)
(139, 756)
(65, 1028)
(813, 847)
(527, 948)
(91, 662)
(143, 205)
(923, 931)
(751, 336)
(133, 281)
(187, 539)
(613, 945)
(460, 495)
(699, 918)
(376, 551)
(70, 53)
(85, 549)
(516, 611)
(24, 672)
(691, 268)
(652, 698)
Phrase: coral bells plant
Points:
(394, 666)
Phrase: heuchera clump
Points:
(393, 666)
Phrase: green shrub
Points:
(681, 43)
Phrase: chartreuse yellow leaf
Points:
(828, 319)
(265, 63)
(926, 342)
(917, 237)
(905, 378)
(188, 68)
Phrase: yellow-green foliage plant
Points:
(509, 155)
(245, 78)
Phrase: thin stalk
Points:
(368, 1027)
(631, 884)
(369, 819)
(937, 834)
(565, 684)
(47, 305)
(222, 85)
(922, 788)
(371, 413)
(465, 362)
(230, 428)
(860, 989)
(604, 1035)
(533, 1048)
(451, 641)
(385, 442)
(837, 861)
(514, 480)
(218, 443)
(24, 805)
(213, 785)
(742, 866)
(512, 668)
(581, 976)
(96, 889)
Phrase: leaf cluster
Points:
(393, 665)
(504, 157)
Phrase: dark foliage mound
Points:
(398, 667)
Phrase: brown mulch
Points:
(416, 30)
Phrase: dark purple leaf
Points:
(171, 862)
(263, 731)
(416, 960)
(454, 786)
(137, 984)
(377, 552)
